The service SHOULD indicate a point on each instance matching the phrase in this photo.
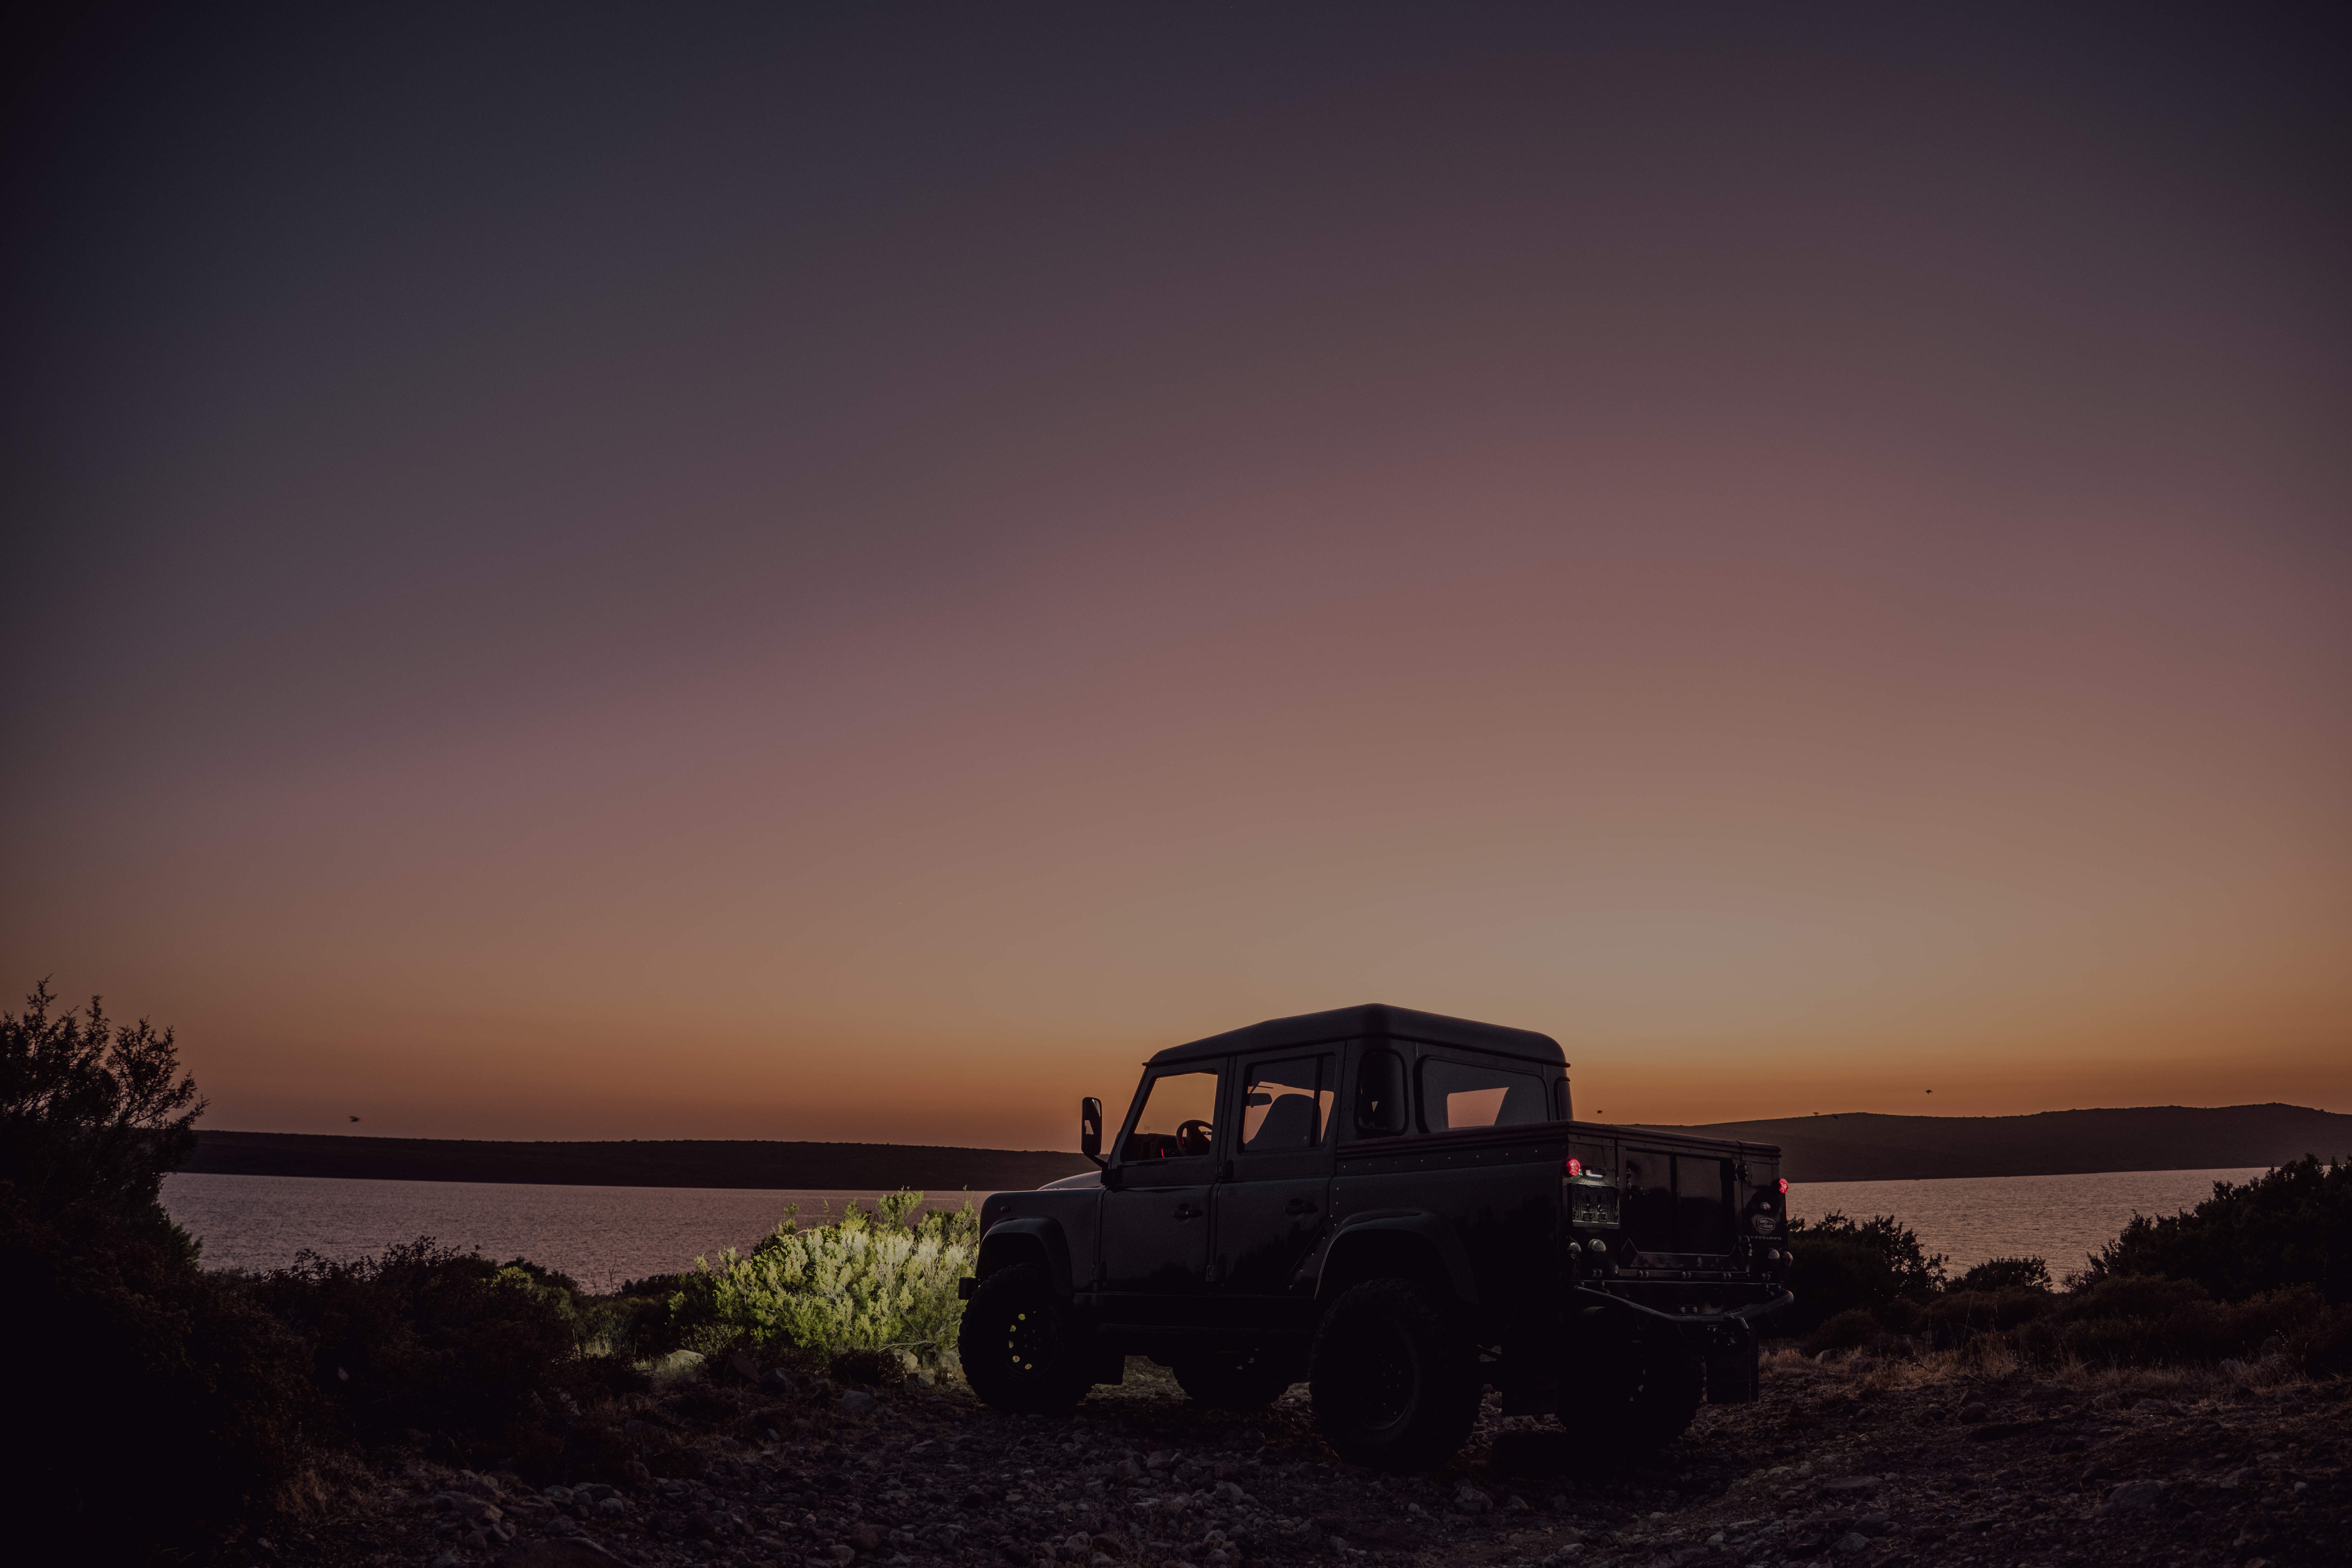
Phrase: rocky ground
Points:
(1857, 1462)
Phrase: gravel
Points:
(1838, 1463)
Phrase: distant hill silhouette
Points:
(1862, 1146)
(1854, 1146)
(698, 1162)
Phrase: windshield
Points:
(1177, 1118)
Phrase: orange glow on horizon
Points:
(768, 577)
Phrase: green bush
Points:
(864, 1283)
(1842, 1266)
(2290, 1226)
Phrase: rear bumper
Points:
(1763, 1298)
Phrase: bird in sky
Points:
(355, 1119)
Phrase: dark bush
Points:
(2111, 1326)
(1957, 1313)
(426, 1339)
(1996, 1274)
(1900, 1316)
(1843, 1265)
(635, 1323)
(2323, 1347)
(2139, 1320)
(1850, 1330)
(2292, 1225)
(154, 1411)
(90, 1119)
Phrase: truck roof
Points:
(1372, 1020)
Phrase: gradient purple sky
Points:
(847, 573)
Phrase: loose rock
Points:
(2132, 1495)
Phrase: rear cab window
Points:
(1458, 1092)
(1286, 1106)
(1380, 1094)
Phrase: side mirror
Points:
(1090, 1129)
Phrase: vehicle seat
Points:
(1289, 1125)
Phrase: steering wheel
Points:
(1192, 1136)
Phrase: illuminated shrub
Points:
(868, 1282)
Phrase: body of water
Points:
(599, 1235)
(602, 1235)
(2059, 1219)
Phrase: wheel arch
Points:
(1037, 1238)
(1410, 1244)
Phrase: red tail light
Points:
(1784, 1185)
(1571, 1166)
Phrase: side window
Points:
(1177, 1120)
(1380, 1094)
(1285, 1105)
(1462, 1094)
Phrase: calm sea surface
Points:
(2059, 1219)
(601, 1235)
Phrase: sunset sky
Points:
(848, 571)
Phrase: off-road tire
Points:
(1236, 1382)
(1396, 1384)
(1021, 1348)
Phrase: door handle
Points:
(1186, 1211)
(1297, 1206)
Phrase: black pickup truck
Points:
(1401, 1209)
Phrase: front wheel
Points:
(1395, 1384)
(1019, 1348)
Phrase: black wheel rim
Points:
(1383, 1377)
(1031, 1338)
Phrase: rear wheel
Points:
(1019, 1347)
(1395, 1386)
(1238, 1383)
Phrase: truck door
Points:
(1703, 1203)
(1677, 1205)
(1649, 1201)
(1155, 1226)
(1276, 1206)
